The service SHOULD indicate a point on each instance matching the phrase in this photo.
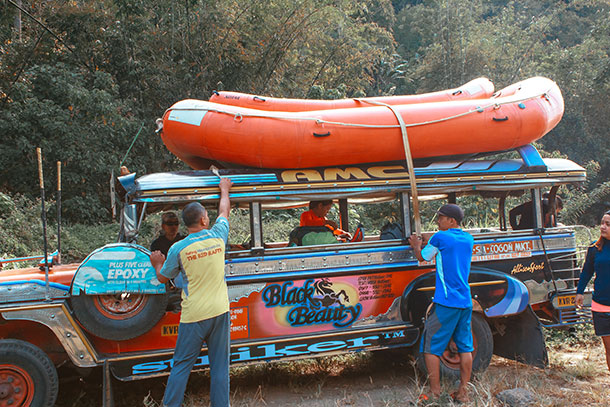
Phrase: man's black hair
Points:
(325, 202)
(192, 213)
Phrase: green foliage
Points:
(21, 232)
(20, 226)
(112, 66)
(74, 118)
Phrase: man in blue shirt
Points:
(451, 248)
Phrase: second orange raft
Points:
(200, 132)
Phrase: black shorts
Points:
(601, 323)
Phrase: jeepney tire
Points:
(483, 351)
(99, 315)
(27, 375)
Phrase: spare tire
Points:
(119, 316)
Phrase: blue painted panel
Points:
(514, 302)
(117, 268)
(197, 179)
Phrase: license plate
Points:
(564, 301)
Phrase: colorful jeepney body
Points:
(292, 302)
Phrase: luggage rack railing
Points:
(569, 263)
(51, 259)
(571, 316)
(576, 259)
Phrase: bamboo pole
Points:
(43, 217)
(59, 212)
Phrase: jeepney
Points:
(290, 301)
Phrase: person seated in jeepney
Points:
(169, 235)
(522, 216)
(316, 216)
(316, 228)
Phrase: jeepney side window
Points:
(481, 212)
(239, 230)
(277, 224)
(526, 213)
(374, 217)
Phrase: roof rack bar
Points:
(531, 157)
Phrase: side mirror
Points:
(129, 223)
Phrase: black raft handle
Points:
(500, 119)
(322, 134)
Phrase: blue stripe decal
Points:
(168, 181)
(38, 282)
(515, 300)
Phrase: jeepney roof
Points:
(364, 181)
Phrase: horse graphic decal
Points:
(329, 296)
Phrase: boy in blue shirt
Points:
(451, 248)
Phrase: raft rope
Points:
(408, 159)
(269, 115)
(132, 143)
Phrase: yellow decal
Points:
(566, 301)
(332, 174)
(533, 267)
(391, 171)
(335, 174)
(301, 175)
(169, 330)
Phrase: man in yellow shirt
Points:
(199, 257)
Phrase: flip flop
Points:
(454, 397)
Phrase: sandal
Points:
(454, 397)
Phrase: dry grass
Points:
(576, 376)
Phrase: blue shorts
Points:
(444, 324)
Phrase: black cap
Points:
(452, 211)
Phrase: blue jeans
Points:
(215, 332)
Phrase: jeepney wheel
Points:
(119, 316)
(27, 375)
(450, 360)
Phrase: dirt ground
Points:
(576, 376)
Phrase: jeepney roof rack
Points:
(374, 181)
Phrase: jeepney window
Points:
(239, 231)
(278, 223)
(374, 216)
(480, 212)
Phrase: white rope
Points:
(269, 115)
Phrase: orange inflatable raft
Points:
(476, 89)
(201, 132)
